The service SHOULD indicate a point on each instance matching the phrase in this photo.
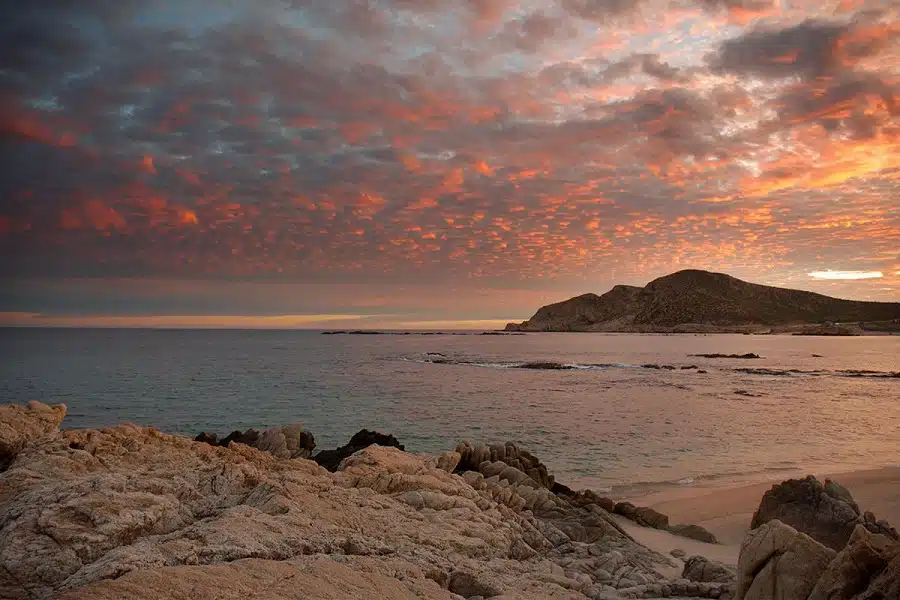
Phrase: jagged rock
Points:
(642, 515)
(694, 532)
(701, 569)
(839, 492)
(22, 424)
(777, 562)
(827, 513)
(473, 456)
(867, 568)
(248, 438)
(879, 526)
(331, 459)
(588, 497)
(290, 441)
(207, 438)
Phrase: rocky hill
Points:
(694, 300)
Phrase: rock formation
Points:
(825, 512)
(868, 567)
(330, 459)
(693, 300)
(22, 424)
(642, 515)
(694, 532)
(698, 568)
(494, 459)
(819, 562)
(129, 512)
(290, 441)
(779, 562)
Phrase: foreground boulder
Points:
(868, 567)
(825, 512)
(22, 424)
(331, 459)
(777, 562)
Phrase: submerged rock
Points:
(747, 356)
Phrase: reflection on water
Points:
(600, 410)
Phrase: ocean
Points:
(619, 414)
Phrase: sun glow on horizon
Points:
(846, 274)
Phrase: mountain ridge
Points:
(696, 300)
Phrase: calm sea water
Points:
(606, 423)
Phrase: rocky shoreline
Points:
(130, 512)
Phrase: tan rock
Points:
(129, 512)
(868, 567)
(779, 563)
(296, 579)
(22, 424)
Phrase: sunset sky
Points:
(437, 163)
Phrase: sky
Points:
(426, 163)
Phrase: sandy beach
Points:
(727, 512)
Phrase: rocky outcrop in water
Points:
(825, 512)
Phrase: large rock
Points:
(290, 441)
(827, 514)
(129, 512)
(642, 515)
(867, 568)
(22, 424)
(694, 532)
(331, 459)
(473, 457)
(701, 569)
(777, 562)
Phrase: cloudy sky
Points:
(437, 162)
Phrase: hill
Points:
(694, 300)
